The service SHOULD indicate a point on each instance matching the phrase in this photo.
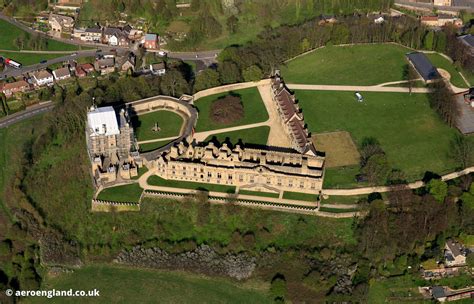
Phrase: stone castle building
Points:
(298, 168)
(111, 145)
(272, 169)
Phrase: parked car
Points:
(43, 61)
(162, 53)
(73, 54)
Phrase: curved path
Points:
(374, 88)
(414, 185)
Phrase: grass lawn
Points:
(300, 196)
(248, 136)
(131, 285)
(396, 290)
(126, 193)
(254, 110)
(152, 146)
(258, 193)
(342, 177)
(28, 58)
(158, 181)
(169, 123)
(440, 62)
(10, 32)
(412, 135)
(337, 210)
(349, 65)
(343, 199)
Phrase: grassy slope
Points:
(29, 59)
(413, 137)
(126, 193)
(10, 32)
(169, 122)
(300, 196)
(130, 285)
(381, 291)
(440, 62)
(351, 65)
(254, 110)
(158, 181)
(253, 136)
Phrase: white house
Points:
(113, 40)
(454, 253)
(42, 78)
(158, 69)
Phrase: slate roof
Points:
(438, 292)
(468, 40)
(150, 37)
(423, 66)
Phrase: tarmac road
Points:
(29, 112)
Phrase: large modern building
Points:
(111, 144)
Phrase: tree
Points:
(428, 40)
(410, 75)
(206, 79)
(462, 150)
(232, 23)
(470, 260)
(229, 72)
(377, 169)
(252, 73)
(173, 83)
(121, 6)
(370, 146)
(438, 189)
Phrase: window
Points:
(269, 181)
(313, 186)
(209, 174)
(229, 177)
(219, 175)
(290, 183)
(279, 182)
(241, 178)
(301, 184)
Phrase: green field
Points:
(169, 123)
(440, 62)
(130, 285)
(343, 199)
(247, 136)
(254, 110)
(257, 193)
(153, 145)
(10, 32)
(404, 288)
(29, 58)
(300, 196)
(412, 135)
(349, 65)
(127, 193)
(158, 181)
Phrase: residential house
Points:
(82, 70)
(61, 73)
(158, 69)
(14, 87)
(93, 34)
(105, 65)
(127, 62)
(135, 34)
(442, 2)
(423, 66)
(441, 20)
(61, 23)
(454, 253)
(151, 41)
(43, 77)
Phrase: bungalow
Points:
(158, 69)
(151, 41)
(61, 73)
(14, 87)
(105, 65)
(423, 66)
(454, 253)
(42, 77)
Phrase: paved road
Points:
(28, 113)
(430, 7)
(12, 72)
